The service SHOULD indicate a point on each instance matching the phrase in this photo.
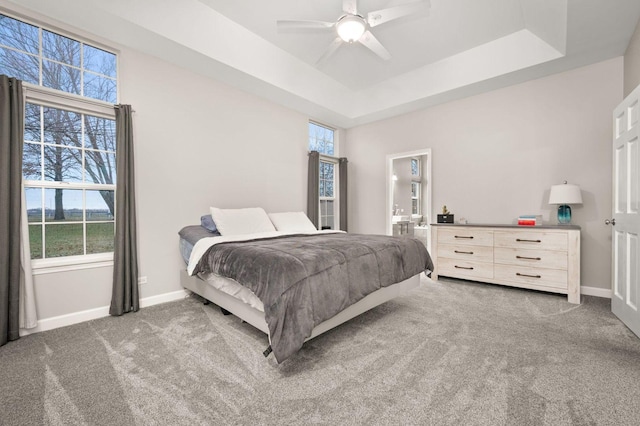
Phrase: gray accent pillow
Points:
(206, 221)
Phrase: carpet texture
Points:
(450, 353)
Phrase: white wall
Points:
(496, 155)
(632, 62)
(198, 143)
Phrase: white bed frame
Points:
(256, 318)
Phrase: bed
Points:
(291, 281)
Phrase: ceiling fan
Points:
(352, 27)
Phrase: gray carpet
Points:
(451, 353)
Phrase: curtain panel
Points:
(11, 133)
(125, 296)
(313, 189)
(342, 178)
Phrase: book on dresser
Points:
(544, 257)
(530, 220)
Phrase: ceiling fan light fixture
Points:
(350, 28)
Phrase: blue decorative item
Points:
(563, 195)
(564, 214)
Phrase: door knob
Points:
(610, 222)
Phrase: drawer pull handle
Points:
(520, 240)
(462, 236)
(463, 267)
(528, 258)
(527, 275)
(463, 252)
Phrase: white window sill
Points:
(71, 263)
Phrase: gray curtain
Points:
(313, 188)
(125, 296)
(11, 133)
(342, 175)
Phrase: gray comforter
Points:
(303, 280)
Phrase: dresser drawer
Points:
(532, 240)
(466, 236)
(553, 278)
(464, 268)
(466, 252)
(531, 258)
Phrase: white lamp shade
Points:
(351, 28)
(565, 194)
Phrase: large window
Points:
(321, 139)
(69, 163)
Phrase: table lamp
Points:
(563, 195)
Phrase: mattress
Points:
(189, 236)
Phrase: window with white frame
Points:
(69, 161)
(416, 186)
(415, 168)
(322, 139)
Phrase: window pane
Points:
(18, 34)
(63, 240)
(31, 161)
(328, 188)
(100, 237)
(35, 241)
(320, 139)
(100, 133)
(60, 77)
(63, 205)
(97, 60)
(60, 48)
(100, 167)
(62, 127)
(62, 164)
(100, 205)
(19, 65)
(32, 123)
(330, 211)
(98, 87)
(414, 206)
(414, 167)
(33, 198)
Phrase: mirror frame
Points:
(389, 200)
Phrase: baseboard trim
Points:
(91, 314)
(596, 291)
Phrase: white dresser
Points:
(543, 258)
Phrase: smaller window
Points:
(321, 139)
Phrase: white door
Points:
(626, 212)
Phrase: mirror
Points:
(409, 194)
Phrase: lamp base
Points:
(564, 214)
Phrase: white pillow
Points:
(241, 221)
(292, 222)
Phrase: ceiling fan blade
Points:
(374, 45)
(330, 51)
(385, 15)
(304, 25)
(350, 7)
